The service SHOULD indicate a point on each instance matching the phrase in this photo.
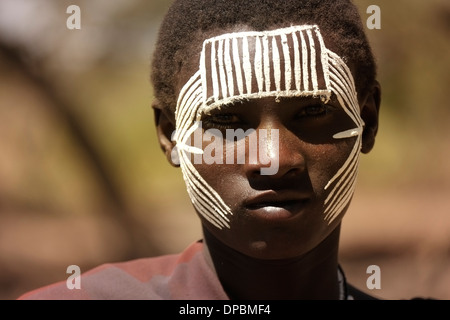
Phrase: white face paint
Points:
(230, 75)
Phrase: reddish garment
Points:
(184, 276)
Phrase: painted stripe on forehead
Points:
(231, 63)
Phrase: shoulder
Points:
(134, 279)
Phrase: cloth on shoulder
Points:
(184, 276)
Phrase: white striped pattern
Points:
(228, 69)
(204, 198)
(345, 179)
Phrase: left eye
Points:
(221, 121)
(224, 118)
(316, 111)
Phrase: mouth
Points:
(276, 206)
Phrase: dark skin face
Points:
(277, 228)
(271, 211)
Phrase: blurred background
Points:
(83, 180)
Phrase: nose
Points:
(279, 153)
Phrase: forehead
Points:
(191, 55)
(288, 62)
(244, 64)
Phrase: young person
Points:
(266, 107)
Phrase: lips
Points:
(274, 205)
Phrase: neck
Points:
(310, 276)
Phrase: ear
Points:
(370, 108)
(165, 126)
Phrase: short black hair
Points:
(339, 21)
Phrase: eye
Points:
(221, 120)
(315, 111)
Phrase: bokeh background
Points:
(83, 180)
